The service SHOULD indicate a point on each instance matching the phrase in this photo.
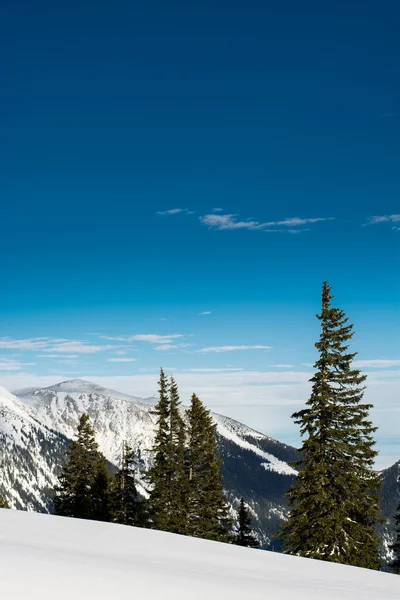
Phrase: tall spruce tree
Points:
(158, 475)
(395, 564)
(177, 466)
(125, 498)
(335, 498)
(83, 487)
(244, 533)
(207, 510)
(167, 476)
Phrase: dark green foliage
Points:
(167, 475)
(244, 534)
(84, 480)
(101, 492)
(335, 499)
(125, 498)
(395, 564)
(178, 485)
(207, 510)
(159, 474)
(3, 503)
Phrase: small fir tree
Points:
(335, 498)
(3, 503)
(244, 533)
(395, 564)
(125, 498)
(207, 510)
(83, 486)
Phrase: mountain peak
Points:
(75, 385)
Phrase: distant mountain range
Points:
(36, 425)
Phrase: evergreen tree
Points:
(178, 486)
(83, 488)
(207, 510)
(3, 503)
(395, 564)
(101, 491)
(334, 500)
(167, 476)
(125, 496)
(159, 474)
(244, 535)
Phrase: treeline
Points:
(184, 489)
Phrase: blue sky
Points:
(169, 160)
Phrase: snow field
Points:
(46, 557)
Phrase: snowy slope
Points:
(114, 416)
(44, 557)
(30, 455)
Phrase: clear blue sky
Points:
(285, 116)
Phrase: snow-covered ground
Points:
(45, 557)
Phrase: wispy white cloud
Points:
(382, 219)
(151, 338)
(206, 312)
(77, 347)
(231, 221)
(170, 346)
(175, 211)
(297, 221)
(282, 366)
(13, 365)
(377, 363)
(232, 348)
(57, 356)
(215, 370)
(121, 360)
(217, 210)
(52, 347)
(25, 344)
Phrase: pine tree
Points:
(83, 488)
(125, 496)
(207, 510)
(334, 501)
(101, 491)
(178, 486)
(244, 534)
(159, 474)
(3, 503)
(395, 564)
(167, 476)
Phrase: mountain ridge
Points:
(255, 465)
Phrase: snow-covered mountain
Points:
(37, 424)
(30, 455)
(44, 557)
(255, 466)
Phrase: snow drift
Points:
(46, 557)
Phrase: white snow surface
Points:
(43, 557)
